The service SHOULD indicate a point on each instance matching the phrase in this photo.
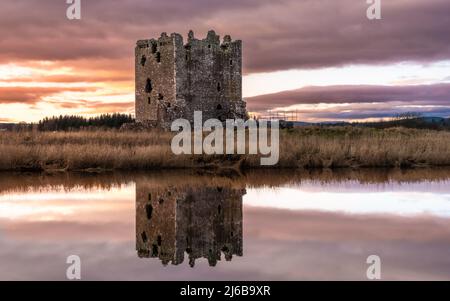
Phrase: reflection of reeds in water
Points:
(307, 147)
(191, 178)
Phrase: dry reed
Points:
(309, 147)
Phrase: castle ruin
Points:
(174, 79)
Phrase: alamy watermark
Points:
(374, 270)
(73, 272)
(73, 12)
(374, 10)
(235, 137)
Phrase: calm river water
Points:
(264, 225)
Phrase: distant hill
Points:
(437, 123)
(325, 123)
(301, 123)
(7, 126)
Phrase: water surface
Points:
(265, 225)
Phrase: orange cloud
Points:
(96, 107)
(96, 54)
(33, 95)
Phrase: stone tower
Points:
(174, 79)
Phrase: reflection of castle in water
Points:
(201, 221)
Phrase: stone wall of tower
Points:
(155, 78)
(174, 79)
(211, 78)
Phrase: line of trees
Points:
(410, 120)
(72, 122)
(407, 116)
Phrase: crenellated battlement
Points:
(211, 39)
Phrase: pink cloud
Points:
(277, 35)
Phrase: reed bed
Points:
(308, 147)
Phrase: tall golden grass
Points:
(309, 147)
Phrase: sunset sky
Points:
(323, 58)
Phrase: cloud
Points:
(98, 107)
(437, 94)
(277, 35)
(33, 95)
(353, 102)
(71, 78)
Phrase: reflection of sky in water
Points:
(348, 197)
(303, 230)
(403, 199)
(51, 203)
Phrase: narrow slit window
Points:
(219, 87)
(154, 250)
(148, 86)
(158, 57)
(159, 240)
(154, 48)
(149, 211)
(143, 60)
(144, 237)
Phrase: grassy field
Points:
(308, 147)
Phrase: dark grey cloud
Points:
(277, 35)
(437, 95)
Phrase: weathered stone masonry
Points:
(174, 79)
